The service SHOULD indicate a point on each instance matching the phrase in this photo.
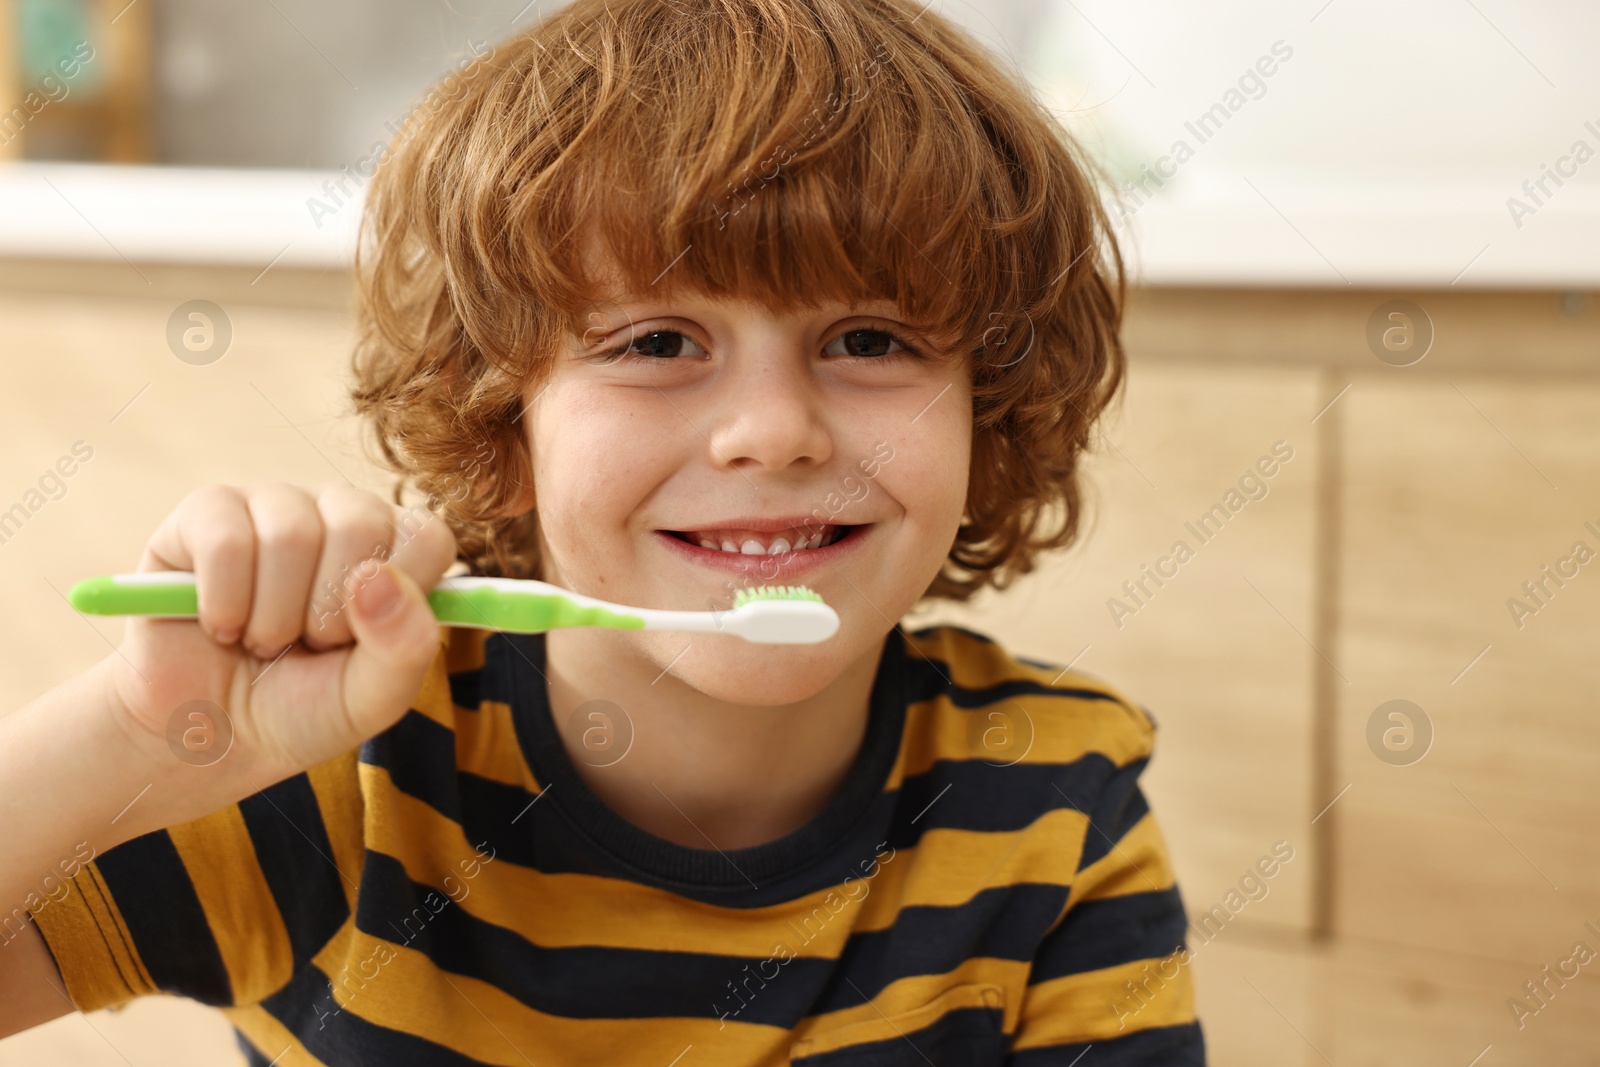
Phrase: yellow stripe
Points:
(433, 698)
(90, 942)
(1098, 1005)
(115, 928)
(486, 737)
(222, 865)
(970, 663)
(566, 910)
(336, 785)
(948, 868)
(486, 745)
(401, 989)
(880, 1017)
(463, 649)
(1032, 729)
(973, 664)
(1138, 864)
(905, 1025)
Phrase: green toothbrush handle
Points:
(495, 609)
(455, 602)
(106, 596)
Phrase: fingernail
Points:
(378, 595)
(227, 637)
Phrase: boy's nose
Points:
(769, 414)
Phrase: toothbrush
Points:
(773, 615)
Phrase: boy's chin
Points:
(734, 671)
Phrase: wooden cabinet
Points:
(1374, 565)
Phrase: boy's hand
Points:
(280, 571)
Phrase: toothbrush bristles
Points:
(774, 592)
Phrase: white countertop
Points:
(1260, 230)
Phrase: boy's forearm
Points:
(73, 783)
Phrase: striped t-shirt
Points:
(987, 887)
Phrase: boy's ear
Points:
(522, 503)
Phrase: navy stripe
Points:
(928, 678)
(466, 689)
(1003, 922)
(974, 795)
(1166, 1046)
(420, 756)
(291, 843)
(1006, 922)
(1097, 934)
(150, 885)
(544, 839)
(978, 795)
(959, 794)
(954, 794)
(334, 1035)
(585, 982)
(253, 1057)
(1118, 808)
(495, 682)
(961, 1036)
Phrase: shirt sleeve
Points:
(1113, 972)
(222, 909)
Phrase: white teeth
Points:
(780, 545)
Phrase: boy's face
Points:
(729, 426)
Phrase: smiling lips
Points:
(751, 542)
(766, 550)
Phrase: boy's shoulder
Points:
(1062, 708)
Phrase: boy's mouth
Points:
(744, 540)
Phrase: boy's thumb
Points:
(397, 637)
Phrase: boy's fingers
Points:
(396, 639)
(424, 547)
(356, 527)
(288, 542)
(210, 533)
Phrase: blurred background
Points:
(1361, 233)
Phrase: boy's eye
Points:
(863, 343)
(868, 343)
(657, 344)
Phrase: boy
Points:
(673, 298)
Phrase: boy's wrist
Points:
(165, 784)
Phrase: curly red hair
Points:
(785, 151)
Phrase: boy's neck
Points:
(702, 773)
